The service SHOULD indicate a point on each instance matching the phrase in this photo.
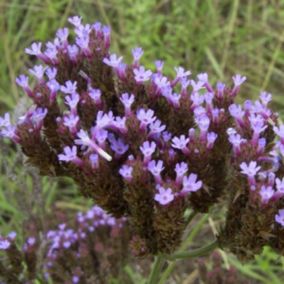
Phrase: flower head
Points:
(164, 195)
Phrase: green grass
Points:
(218, 37)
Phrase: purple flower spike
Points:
(127, 100)
(190, 184)
(181, 143)
(137, 53)
(35, 49)
(145, 117)
(38, 71)
(180, 169)
(164, 196)
(148, 148)
(156, 167)
(266, 193)
(142, 75)
(70, 155)
(279, 218)
(69, 87)
(126, 172)
(113, 60)
(72, 101)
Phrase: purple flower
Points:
(180, 169)
(38, 71)
(156, 167)
(161, 82)
(250, 169)
(239, 80)
(237, 112)
(220, 89)
(118, 146)
(279, 131)
(72, 101)
(197, 85)
(148, 148)
(203, 122)
(159, 65)
(236, 140)
(75, 20)
(94, 160)
(126, 172)
(127, 100)
(197, 99)
(137, 53)
(75, 279)
(279, 218)
(5, 121)
(95, 95)
(164, 196)
(265, 98)
(266, 193)
(69, 87)
(181, 72)
(180, 143)
(71, 121)
(141, 75)
(23, 81)
(113, 60)
(104, 119)
(51, 73)
(145, 117)
(37, 116)
(190, 184)
(73, 51)
(62, 34)
(53, 86)
(12, 236)
(280, 184)
(211, 138)
(35, 49)
(156, 127)
(100, 135)
(4, 244)
(203, 77)
(69, 154)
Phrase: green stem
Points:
(196, 252)
(157, 266)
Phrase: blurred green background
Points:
(220, 37)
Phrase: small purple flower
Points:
(118, 146)
(197, 86)
(266, 193)
(12, 236)
(211, 138)
(71, 121)
(180, 169)
(35, 49)
(84, 139)
(75, 21)
(62, 34)
(95, 95)
(279, 131)
(126, 172)
(38, 71)
(280, 184)
(220, 89)
(113, 60)
(161, 82)
(148, 148)
(94, 160)
(72, 101)
(203, 122)
(141, 75)
(69, 155)
(73, 51)
(159, 65)
(4, 244)
(164, 196)
(75, 279)
(156, 167)
(238, 80)
(54, 87)
(180, 143)
(265, 98)
(37, 117)
(5, 121)
(250, 169)
(196, 99)
(127, 100)
(69, 87)
(23, 81)
(137, 53)
(203, 77)
(181, 72)
(100, 135)
(104, 119)
(237, 112)
(190, 184)
(236, 140)
(279, 218)
(156, 127)
(145, 117)
(51, 73)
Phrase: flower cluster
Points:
(147, 146)
(75, 254)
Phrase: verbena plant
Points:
(149, 148)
